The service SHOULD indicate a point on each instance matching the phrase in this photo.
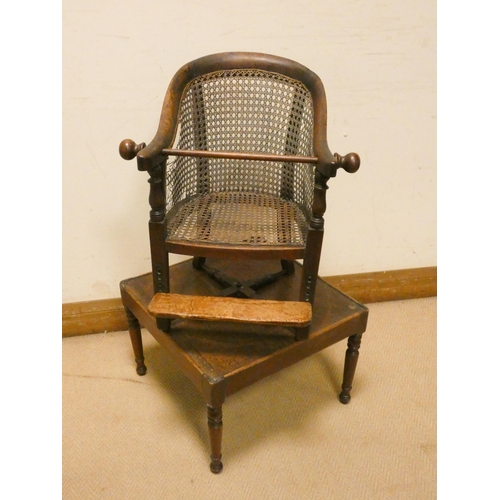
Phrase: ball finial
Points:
(129, 149)
(350, 162)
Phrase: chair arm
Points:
(350, 163)
(147, 156)
(324, 171)
(152, 154)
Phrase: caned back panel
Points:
(248, 111)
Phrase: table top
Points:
(222, 358)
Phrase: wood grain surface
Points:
(97, 316)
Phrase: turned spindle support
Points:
(314, 239)
(351, 360)
(215, 434)
(157, 230)
(157, 226)
(134, 329)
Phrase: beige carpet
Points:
(286, 437)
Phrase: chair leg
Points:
(198, 262)
(136, 337)
(302, 333)
(288, 266)
(215, 433)
(351, 360)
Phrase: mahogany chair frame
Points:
(152, 158)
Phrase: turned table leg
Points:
(215, 433)
(135, 336)
(351, 360)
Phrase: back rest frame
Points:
(151, 155)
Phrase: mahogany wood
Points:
(276, 252)
(232, 287)
(165, 136)
(223, 359)
(351, 360)
(239, 156)
(128, 150)
(251, 342)
(136, 337)
(153, 156)
(215, 434)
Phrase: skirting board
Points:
(108, 315)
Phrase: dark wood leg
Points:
(157, 231)
(302, 333)
(163, 324)
(351, 360)
(288, 266)
(314, 240)
(198, 262)
(136, 337)
(215, 433)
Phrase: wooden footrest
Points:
(262, 312)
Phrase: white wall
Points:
(377, 60)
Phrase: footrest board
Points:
(262, 312)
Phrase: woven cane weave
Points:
(241, 201)
(240, 218)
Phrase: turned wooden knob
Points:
(350, 162)
(129, 149)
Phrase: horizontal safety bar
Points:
(240, 156)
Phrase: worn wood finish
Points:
(223, 359)
(256, 246)
(152, 154)
(201, 215)
(219, 251)
(108, 315)
(262, 312)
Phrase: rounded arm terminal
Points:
(350, 162)
(129, 149)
